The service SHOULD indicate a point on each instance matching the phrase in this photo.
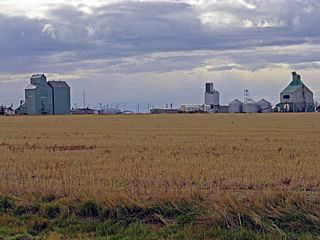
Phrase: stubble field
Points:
(160, 177)
(145, 159)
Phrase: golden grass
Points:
(143, 159)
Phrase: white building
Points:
(211, 97)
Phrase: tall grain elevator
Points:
(60, 97)
(211, 97)
(38, 96)
(46, 98)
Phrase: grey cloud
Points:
(124, 36)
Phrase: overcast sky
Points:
(159, 52)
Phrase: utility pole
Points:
(84, 98)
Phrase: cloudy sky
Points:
(159, 52)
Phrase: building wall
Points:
(297, 96)
(212, 99)
(298, 99)
(44, 99)
(309, 97)
(30, 103)
(61, 100)
(39, 99)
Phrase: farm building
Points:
(164, 111)
(60, 97)
(211, 97)
(42, 97)
(250, 106)
(297, 97)
(106, 111)
(81, 111)
(264, 106)
(194, 108)
(236, 106)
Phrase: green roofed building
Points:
(296, 97)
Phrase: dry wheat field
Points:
(143, 159)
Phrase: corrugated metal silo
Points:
(250, 106)
(61, 97)
(264, 106)
(236, 106)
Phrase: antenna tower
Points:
(246, 95)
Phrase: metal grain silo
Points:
(264, 106)
(236, 106)
(60, 97)
(250, 106)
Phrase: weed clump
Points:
(90, 209)
(51, 210)
(6, 203)
(38, 227)
(22, 236)
(26, 210)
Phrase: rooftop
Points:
(31, 86)
(38, 75)
(58, 84)
(295, 84)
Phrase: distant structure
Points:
(82, 111)
(60, 97)
(45, 98)
(246, 95)
(7, 111)
(264, 106)
(194, 108)
(250, 106)
(109, 111)
(236, 106)
(164, 110)
(211, 97)
(297, 97)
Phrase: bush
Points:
(5, 204)
(109, 228)
(48, 198)
(37, 227)
(90, 209)
(51, 210)
(26, 210)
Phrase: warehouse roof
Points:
(58, 84)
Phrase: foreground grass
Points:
(280, 217)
